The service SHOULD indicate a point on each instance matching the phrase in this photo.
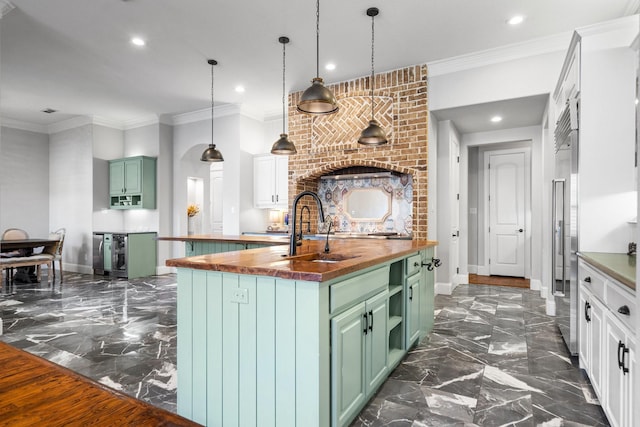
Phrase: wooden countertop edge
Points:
(273, 264)
(273, 240)
(608, 270)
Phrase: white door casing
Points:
(454, 180)
(216, 198)
(506, 200)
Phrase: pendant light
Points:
(373, 134)
(211, 154)
(283, 145)
(317, 99)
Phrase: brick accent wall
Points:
(328, 143)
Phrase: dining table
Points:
(27, 246)
(12, 245)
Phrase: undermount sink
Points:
(321, 257)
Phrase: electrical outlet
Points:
(240, 296)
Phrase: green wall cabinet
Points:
(132, 183)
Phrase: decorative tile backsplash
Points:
(334, 193)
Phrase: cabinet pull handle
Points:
(624, 359)
(277, 198)
(272, 198)
(624, 310)
(587, 279)
(366, 323)
(587, 309)
(410, 293)
(621, 346)
(371, 321)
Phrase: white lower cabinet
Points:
(607, 342)
(591, 313)
(358, 355)
(620, 371)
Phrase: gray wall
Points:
(24, 181)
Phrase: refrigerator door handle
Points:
(559, 243)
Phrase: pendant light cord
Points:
(372, 73)
(284, 64)
(212, 103)
(317, 38)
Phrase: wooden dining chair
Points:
(55, 251)
(12, 234)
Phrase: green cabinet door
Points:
(116, 178)
(413, 295)
(377, 343)
(133, 176)
(348, 386)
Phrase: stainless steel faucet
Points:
(294, 239)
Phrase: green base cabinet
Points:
(202, 248)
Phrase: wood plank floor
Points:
(36, 392)
(514, 282)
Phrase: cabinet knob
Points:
(587, 279)
(416, 264)
(624, 310)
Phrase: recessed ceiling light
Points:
(137, 41)
(330, 66)
(496, 119)
(515, 20)
(240, 89)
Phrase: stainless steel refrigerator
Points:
(565, 225)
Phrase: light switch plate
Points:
(240, 296)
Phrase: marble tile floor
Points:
(494, 357)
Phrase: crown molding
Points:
(497, 55)
(220, 111)
(17, 124)
(5, 7)
(149, 120)
(71, 123)
(625, 23)
(633, 7)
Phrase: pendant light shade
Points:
(211, 154)
(318, 99)
(283, 145)
(372, 134)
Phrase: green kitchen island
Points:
(271, 340)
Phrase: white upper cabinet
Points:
(271, 181)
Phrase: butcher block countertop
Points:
(36, 392)
(266, 240)
(310, 263)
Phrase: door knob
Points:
(520, 230)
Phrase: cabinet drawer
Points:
(414, 263)
(591, 279)
(618, 297)
(348, 292)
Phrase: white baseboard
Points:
(483, 270)
(460, 279)
(535, 284)
(551, 307)
(77, 268)
(443, 288)
(163, 269)
(473, 269)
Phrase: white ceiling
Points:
(74, 55)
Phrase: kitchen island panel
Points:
(265, 358)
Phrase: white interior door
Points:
(216, 201)
(507, 214)
(454, 179)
